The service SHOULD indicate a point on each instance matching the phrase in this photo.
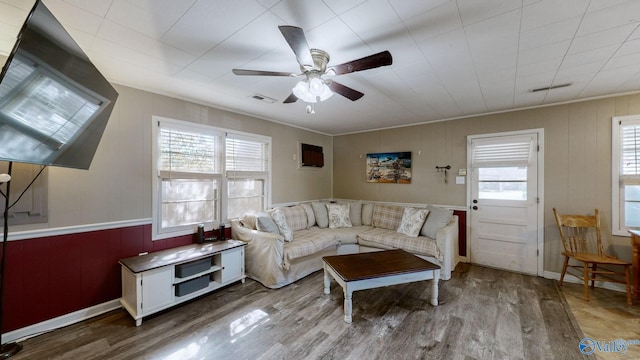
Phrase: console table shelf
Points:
(162, 279)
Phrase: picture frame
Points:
(389, 168)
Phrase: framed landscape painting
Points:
(389, 168)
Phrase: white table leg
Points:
(434, 287)
(327, 281)
(347, 305)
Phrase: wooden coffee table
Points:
(377, 269)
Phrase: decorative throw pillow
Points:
(295, 216)
(338, 216)
(283, 227)
(264, 222)
(355, 211)
(311, 218)
(387, 216)
(412, 221)
(320, 212)
(367, 214)
(438, 218)
(249, 221)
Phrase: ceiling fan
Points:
(313, 65)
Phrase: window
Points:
(625, 170)
(502, 167)
(247, 172)
(205, 175)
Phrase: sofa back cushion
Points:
(321, 214)
(264, 222)
(295, 216)
(367, 214)
(387, 216)
(355, 211)
(438, 218)
(311, 217)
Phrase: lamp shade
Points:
(312, 90)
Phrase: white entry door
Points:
(506, 224)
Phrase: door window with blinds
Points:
(625, 174)
(205, 175)
(502, 167)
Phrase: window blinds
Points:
(630, 148)
(186, 151)
(245, 154)
(513, 153)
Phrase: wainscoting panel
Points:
(50, 276)
(462, 231)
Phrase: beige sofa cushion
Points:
(387, 216)
(355, 211)
(347, 235)
(390, 239)
(295, 216)
(438, 218)
(311, 217)
(367, 214)
(307, 242)
(320, 212)
(264, 222)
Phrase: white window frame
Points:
(222, 177)
(253, 175)
(617, 193)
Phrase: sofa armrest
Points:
(447, 241)
(263, 251)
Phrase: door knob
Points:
(475, 201)
(475, 207)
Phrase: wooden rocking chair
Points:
(582, 242)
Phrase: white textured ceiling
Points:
(451, 58)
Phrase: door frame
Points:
(540, 209)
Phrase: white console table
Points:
(162, 279)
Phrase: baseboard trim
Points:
(574, 280)
(60, 321)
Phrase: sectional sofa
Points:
(287, 243)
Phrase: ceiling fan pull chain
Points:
(310, 109)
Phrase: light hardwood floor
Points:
(605, 317)
(484, 314)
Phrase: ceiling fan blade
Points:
(261, 72)
(291, 99)
(369, 62)
(298, 43)
(345, 91)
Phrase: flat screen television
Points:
(54, 103)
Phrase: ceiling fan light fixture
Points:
(312, 90)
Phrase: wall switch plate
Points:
(462, 172)
(460, 180)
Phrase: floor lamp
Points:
(9, 349)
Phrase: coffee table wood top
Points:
(354, 267)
